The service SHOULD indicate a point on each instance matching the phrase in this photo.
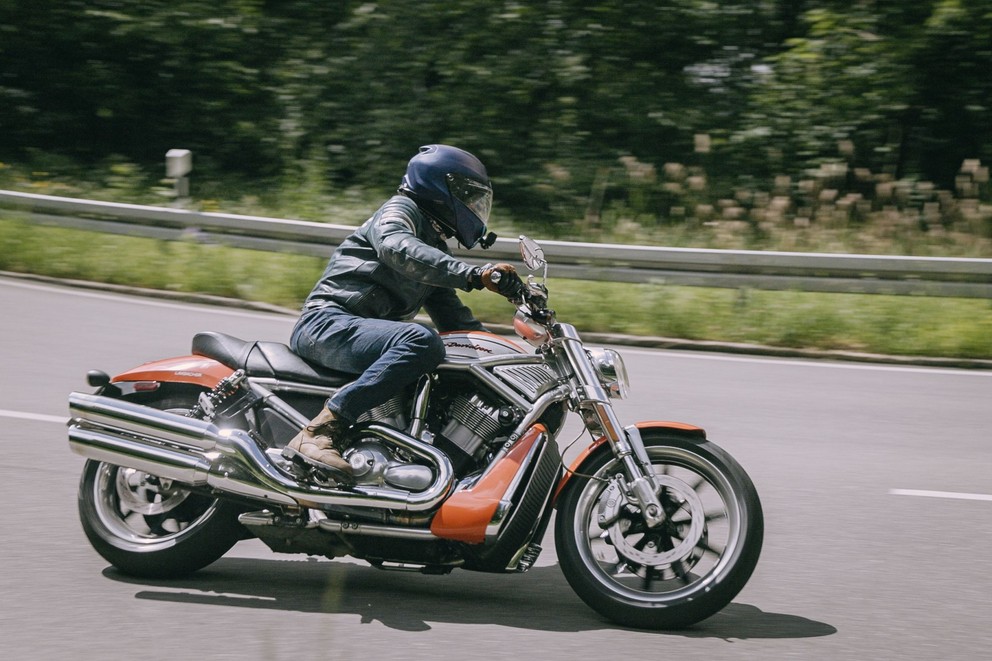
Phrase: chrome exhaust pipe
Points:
(228, 460)
(160, 461)
(267, 519)
(123, 416)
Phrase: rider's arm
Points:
(395, 235)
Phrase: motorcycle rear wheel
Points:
(151, 527)
(679, 573)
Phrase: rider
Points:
(357, 317)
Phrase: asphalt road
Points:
(876, 483)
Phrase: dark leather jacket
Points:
(393, 266)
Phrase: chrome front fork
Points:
(644, 487)
(628, 447)
(626, 442)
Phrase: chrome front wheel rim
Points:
(690, 552)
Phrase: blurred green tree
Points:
(574, 104)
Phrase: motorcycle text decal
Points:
(459, 345)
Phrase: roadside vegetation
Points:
(894, 325)
(797, 125)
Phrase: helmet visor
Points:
(475, 195)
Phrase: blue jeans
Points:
(387, 355)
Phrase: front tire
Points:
(152, 527)
(679, 573)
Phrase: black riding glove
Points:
(502, 279)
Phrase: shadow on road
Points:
(539, 600)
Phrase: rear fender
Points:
(192, 370)
(690, 432)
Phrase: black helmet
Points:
(452, 187)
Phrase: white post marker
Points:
(178, 165)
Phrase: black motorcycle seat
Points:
(265, 359)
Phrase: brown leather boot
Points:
(314, 445)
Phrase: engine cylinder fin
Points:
(473, 424)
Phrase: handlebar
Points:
(535, 298)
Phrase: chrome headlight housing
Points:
(611, 371)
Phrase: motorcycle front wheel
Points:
(151, 527)
(680, 572)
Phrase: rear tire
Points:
(679, 573)
(151, 527)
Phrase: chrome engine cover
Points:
(374, 463)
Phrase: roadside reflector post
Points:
(178, 165)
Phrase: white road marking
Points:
(940, 494)
(37, 417)
(142, 300)
(803, 362)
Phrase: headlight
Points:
(611, 370)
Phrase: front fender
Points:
(194, 370)
(678, 428)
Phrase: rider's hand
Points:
(502, 279)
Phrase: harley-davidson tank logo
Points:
(461, 345)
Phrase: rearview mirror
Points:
(532, 253)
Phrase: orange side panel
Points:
(198, 370)
(649, 424)
(465, 515)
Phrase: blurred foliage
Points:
(896, 325)
(588, 114)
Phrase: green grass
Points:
(901, 218)
(895, 325)
(179, 266)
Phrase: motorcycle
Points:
(655, 526)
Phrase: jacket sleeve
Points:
(448, 312)
(394, 236)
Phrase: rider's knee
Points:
(427, 345)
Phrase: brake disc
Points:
(614, 502)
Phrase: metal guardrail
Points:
(814, 272)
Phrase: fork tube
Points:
(594, 397)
